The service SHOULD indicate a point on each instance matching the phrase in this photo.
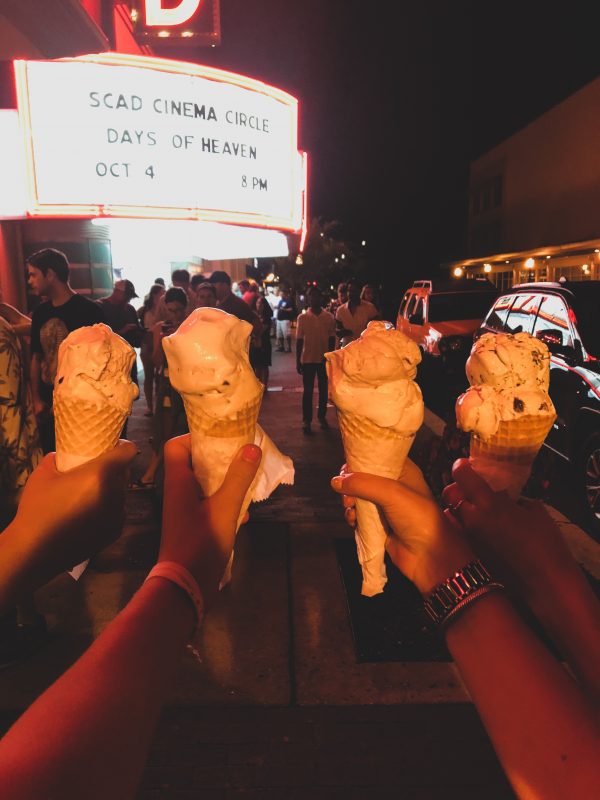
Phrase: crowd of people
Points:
(72, 742)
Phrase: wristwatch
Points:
(459, 590)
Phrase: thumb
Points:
(367, 487)
(473, 486)
(239, 476)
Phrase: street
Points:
(274, 701)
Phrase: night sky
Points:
(396, 98)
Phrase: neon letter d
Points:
(165, 17)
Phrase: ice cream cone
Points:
(378, 451)
(216, 440)
(507, 409)
(209, 367)
(505, 458)
(93, 395)
(84, 431)
(380, 409)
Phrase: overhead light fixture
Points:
(458, 271)
(164, 34)
(530, 263)
(487, 267)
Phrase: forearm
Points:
(570, 613)
(13, 315)
(299, 348)
(89, 734)
(535, 715)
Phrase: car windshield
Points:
(586, 309)
(459, 305)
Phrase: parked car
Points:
(567, 318)
(441, 317)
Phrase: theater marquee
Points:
(117, 135)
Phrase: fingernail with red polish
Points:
(251, 453)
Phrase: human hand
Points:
(423, 545)
(518, 540)
(199, 532)
(299, 368)
(64, 518)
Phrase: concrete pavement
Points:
(273, 703)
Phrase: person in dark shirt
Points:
(286, 314)
(122, 317)
(52, 321)
(231, 303)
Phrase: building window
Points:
(572, 274)
(503, 280)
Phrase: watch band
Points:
(459, 590)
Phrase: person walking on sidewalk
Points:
(353, 317)
(286, 313)
(315, 335)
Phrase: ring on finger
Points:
(455, 507)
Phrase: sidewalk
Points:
(274, 704)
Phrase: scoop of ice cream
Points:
(476, 411)
(373, 377)
(208, 356)
(94, 365)
(509, 376)
(509, 361)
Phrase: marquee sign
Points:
(193, 22)
(118, 135)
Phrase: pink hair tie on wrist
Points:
(178, 574)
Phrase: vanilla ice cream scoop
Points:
(373, 377)
(94, 367)
(380, 409)
(208, 357)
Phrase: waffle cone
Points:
(200, 423)
(505, 459)
(216, 440)
(379, 451)
(84, 431)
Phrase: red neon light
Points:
(305, 201)
(296, 222)
(160, 17)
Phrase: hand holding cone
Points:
(209, 366)
(380, 409)
(93, 395)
